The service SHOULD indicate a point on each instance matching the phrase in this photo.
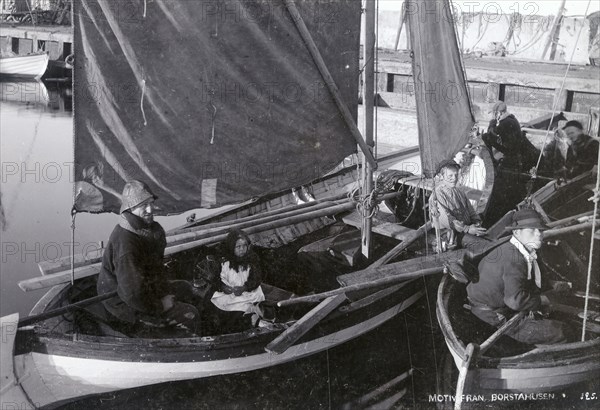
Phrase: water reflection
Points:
(54, 96)
(36, 152)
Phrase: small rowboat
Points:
(509, 366)
(25, 66)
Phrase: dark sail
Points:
(443, 107)
(209, 102)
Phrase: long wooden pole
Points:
(26, 321)
(277, 211)
(400, 25)
(368, 106)
(329, 81)
(360, 286)
(50, 267)
(553, 35)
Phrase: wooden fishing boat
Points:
(26, 66)
(504, 365)
(75, 352)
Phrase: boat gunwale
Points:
(85, 344)
(38, 54)
(538, 357)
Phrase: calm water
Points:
(36, 153)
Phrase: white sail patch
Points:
(209, 192)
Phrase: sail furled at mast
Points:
(444, 111)
(208, 102)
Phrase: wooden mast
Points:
(553, 35)
(368, 103)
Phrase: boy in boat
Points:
(133, 265)
(510, 281)
(460, 224)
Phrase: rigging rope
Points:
(73, 215)
(142, 101)
(376, 75)
(556, 99)
(596, 199)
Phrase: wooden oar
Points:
(360, 286)
(473, 350)
(26, 321)
(285, 340)
(278, 211)
(410, 239)
(200, 232)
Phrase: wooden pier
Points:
(528, 87)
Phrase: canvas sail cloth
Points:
(444, 114)
(209, 102)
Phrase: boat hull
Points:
(550, 368)
(61, 369)
(25, 66)
(534, 377)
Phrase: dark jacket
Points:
(507, 137)
(503, 285)
(132, 264)
(582, 155)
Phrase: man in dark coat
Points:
(582, 153)
(510, 281)
(133, 265)
(505, 135)
(518, 156)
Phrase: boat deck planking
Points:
(383, 224)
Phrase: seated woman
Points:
(234, 305)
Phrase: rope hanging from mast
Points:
(554, 106)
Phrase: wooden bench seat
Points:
(383, 224)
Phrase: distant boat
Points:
(26, 66)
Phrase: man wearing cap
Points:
(582, 153)
(133, 265)
(504, 134)
(518, 156)
(510, 281)
(458, 219)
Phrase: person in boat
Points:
(514, 156)
(582, 153)
(458, 220)
(238, 292)
(510, 281)
(132, 264)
